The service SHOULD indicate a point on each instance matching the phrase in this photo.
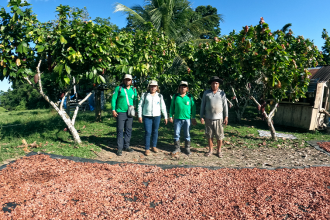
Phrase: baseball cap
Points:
(128, 76)
(183, 83)
(153, 83)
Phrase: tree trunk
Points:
(98, 109)
(269, 119)
(271, 128)
(238, 115)
(73, 130)
(60, 110)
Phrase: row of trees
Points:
(254, 63)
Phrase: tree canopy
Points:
(175, 18)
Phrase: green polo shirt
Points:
(183, 107)
(120, 105)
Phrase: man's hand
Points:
(171, 120)
(225, 121)
(202, 121)
(140, 120)
(165, 121)
(114, 113)
(193, 121)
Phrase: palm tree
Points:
(173, 17)
(286, 27)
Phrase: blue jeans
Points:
(182, 123)
(151, 125)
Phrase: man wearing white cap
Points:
(184, 110)
(123, 94)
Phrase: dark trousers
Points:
(151, 125)
(124, 128)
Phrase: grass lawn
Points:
(45, 128)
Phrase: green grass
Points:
(45, 128)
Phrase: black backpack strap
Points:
(120, 88)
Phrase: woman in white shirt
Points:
(150, 107)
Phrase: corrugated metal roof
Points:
(313, 72)
(323, 74)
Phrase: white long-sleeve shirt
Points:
(153, 105)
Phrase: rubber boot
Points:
(177, 147)
(187, 146)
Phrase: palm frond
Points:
(285, 27)
(128, 11)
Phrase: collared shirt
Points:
(120, 105)
(214, 105)
(184, 108)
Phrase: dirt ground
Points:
(287, 156)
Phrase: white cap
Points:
(153, 83)
(184, 83)
(128, 76)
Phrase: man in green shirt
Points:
(184, 110)
(120, 109)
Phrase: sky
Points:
(307, 19)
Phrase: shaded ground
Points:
(38, 187)
(233, 156)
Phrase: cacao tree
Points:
(70, 49)
(279, 63)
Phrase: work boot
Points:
(154, 149)
(119, 152)
(128, 149)
(147, 153)
(177, 147)
(187, 146)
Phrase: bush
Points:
(2, 109)
(107, 106)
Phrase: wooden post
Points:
(317, 106)
(98, 109)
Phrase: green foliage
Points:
(173, 17)
(326, 47)
(21, 97)
(146, 55)
(253, 57)
(212, 27)
(106, 22)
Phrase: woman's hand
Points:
(140, 120)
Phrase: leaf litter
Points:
(39, 187)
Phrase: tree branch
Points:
(271, 114)
(62, 102)
(77, 108)
(235, 95)
(231, 104)
(27, 79)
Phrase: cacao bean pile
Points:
(38, 187)
(324, 145)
